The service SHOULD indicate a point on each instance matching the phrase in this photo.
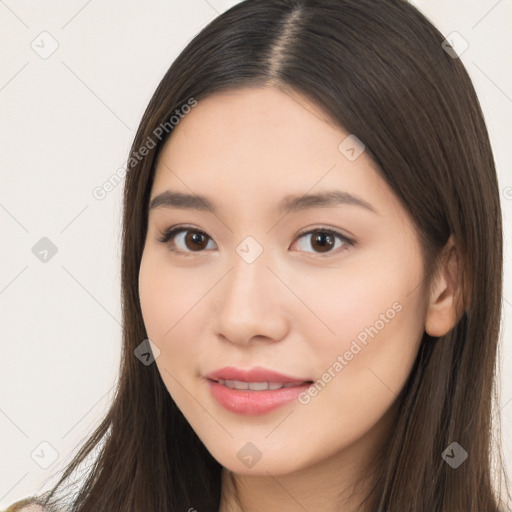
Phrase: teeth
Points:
(255, 386)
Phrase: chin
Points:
(275, 464)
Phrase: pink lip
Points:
(253, 403)
(254, 374)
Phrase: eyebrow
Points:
(180, 200)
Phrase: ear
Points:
(444, 303)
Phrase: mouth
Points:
(255, 398)
(255, 390)
(254, 378)
(259, 386)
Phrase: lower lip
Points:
(254, 403)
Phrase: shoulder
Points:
(26, 505)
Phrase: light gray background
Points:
(67, 125)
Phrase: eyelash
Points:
(169, 233)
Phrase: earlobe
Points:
(443, 310)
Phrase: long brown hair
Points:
(379, 70)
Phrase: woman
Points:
(311, 276)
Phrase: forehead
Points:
(264, 143)
(235, 124)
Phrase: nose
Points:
(251, 303)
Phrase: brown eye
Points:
(184, 241)
(195, 240)
(324, 241)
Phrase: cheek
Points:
(166, 311)
(362, 369)
(367, 334)
(173, 309)
(352, 301)
(156, 303)
(376, 289)
(166, 297)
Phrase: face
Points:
(324, 292)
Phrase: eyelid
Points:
(170, 232)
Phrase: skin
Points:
(295, 309)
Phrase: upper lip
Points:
(254, 374)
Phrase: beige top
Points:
(30, 508)
(26, 505)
